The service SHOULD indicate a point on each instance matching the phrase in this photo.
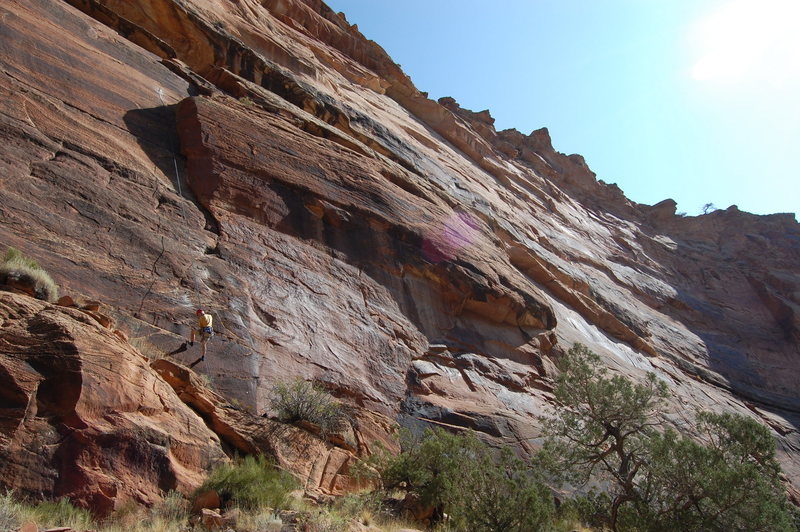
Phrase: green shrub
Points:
(16, 267)
(46, 514)
(322, 522)
(303, 401)
(481, 489)
(731, 482)
(252, 483)
(61, 513)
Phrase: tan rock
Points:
(30, 526)
(102, 319)
(322, 468)
(210, 519)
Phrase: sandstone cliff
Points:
(262, 159)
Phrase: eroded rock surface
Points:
(84, 416)
(263, 160)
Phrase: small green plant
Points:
(323, 522)
(245, 100)
(365, 507)
(251, 483)
(61, 513)
(173, 507)
(15, 267)
(302, 401)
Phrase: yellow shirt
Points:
(204, 320)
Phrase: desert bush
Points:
(259, 521)
(251, 483)
(374, 509)
(15, 266)
(729, 481)
(61, 513)
(46, 514)
(302, 401)
(321, 521)
(479, 488)
(10, 512)
(173, 507)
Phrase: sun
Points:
(749, 40)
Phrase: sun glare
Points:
(749, 40)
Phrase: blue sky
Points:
(694, 100)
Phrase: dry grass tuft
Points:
(16, 268)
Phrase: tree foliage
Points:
(607, 429)
(480, 489)
(729, 482)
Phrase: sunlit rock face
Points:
(84, 416)
(262, 159)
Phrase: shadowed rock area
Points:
(265, 161)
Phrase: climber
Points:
(204, 329)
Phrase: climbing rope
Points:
(194, 299)
(193, 270)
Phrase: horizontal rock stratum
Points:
(265, 161)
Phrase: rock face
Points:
(84, 416)
(263, 160)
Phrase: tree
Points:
(730, 481)
(602, 429)
(607, 429)
(480, 489)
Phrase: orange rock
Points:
(66, 301)
(86, 411)
(344, 222)
(92, 306)
(209, 499)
